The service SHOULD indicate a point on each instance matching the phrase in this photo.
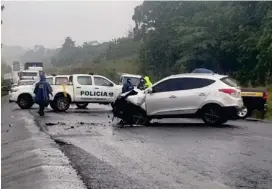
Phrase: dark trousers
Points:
(41, 108)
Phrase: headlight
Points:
(13, 90)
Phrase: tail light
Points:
(265, 95)
(229, 91)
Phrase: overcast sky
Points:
(48, 23)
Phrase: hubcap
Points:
(23, 102)
(243, 112)
(62, 103)
(211, 115)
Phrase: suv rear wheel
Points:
(213, 115)
(25, 101)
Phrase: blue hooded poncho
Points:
(128, 86)
(42, 91)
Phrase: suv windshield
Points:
(229, 82)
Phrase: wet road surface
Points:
(174, 153)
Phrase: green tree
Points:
(228, 37)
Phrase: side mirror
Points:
(111, 85)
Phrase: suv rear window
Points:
(229, 82)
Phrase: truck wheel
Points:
(244, 113)
(212, 115)
(53, 105)
(62, 103)
(81, 105)
(25, 101)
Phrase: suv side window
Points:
(194, 83)
(178, 84)
(84, 80)
(99, 81)
(165, 86)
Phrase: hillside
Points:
(12, 53)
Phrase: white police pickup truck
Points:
(80, 89)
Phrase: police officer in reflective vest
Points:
(147, 82)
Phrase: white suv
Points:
(212, 97)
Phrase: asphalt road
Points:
(174, 153)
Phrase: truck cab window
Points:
(84, 80)
(99, 81)
(62, 81)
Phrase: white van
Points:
(135, 79)
(29, 75)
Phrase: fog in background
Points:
(47, 23)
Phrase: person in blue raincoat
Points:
(42, 91)
(128, 86)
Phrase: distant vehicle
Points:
(135, 79)
(26, 82)
(254, 99)
(33, 66)
(206, 96)
(29, 75)
(80, 89)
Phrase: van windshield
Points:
(29, 74)
(134, 80)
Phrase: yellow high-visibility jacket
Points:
(147, 82)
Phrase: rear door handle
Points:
(96, 88)
(78, 87)
(202, 94)
(173, 96)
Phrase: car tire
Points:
(213, 115)
(25, 101)
(243, 113)
(140, 118)
(62, 103)
(82, 105)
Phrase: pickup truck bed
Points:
(254, 99)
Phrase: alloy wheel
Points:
(212, 115)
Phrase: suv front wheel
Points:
(213, 115)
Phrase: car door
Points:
(83, 88)
(104, 89)
(163, 99)
(192, 93)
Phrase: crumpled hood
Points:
(138, 99)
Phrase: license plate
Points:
(253, 94)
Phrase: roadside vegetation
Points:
(269, 112)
